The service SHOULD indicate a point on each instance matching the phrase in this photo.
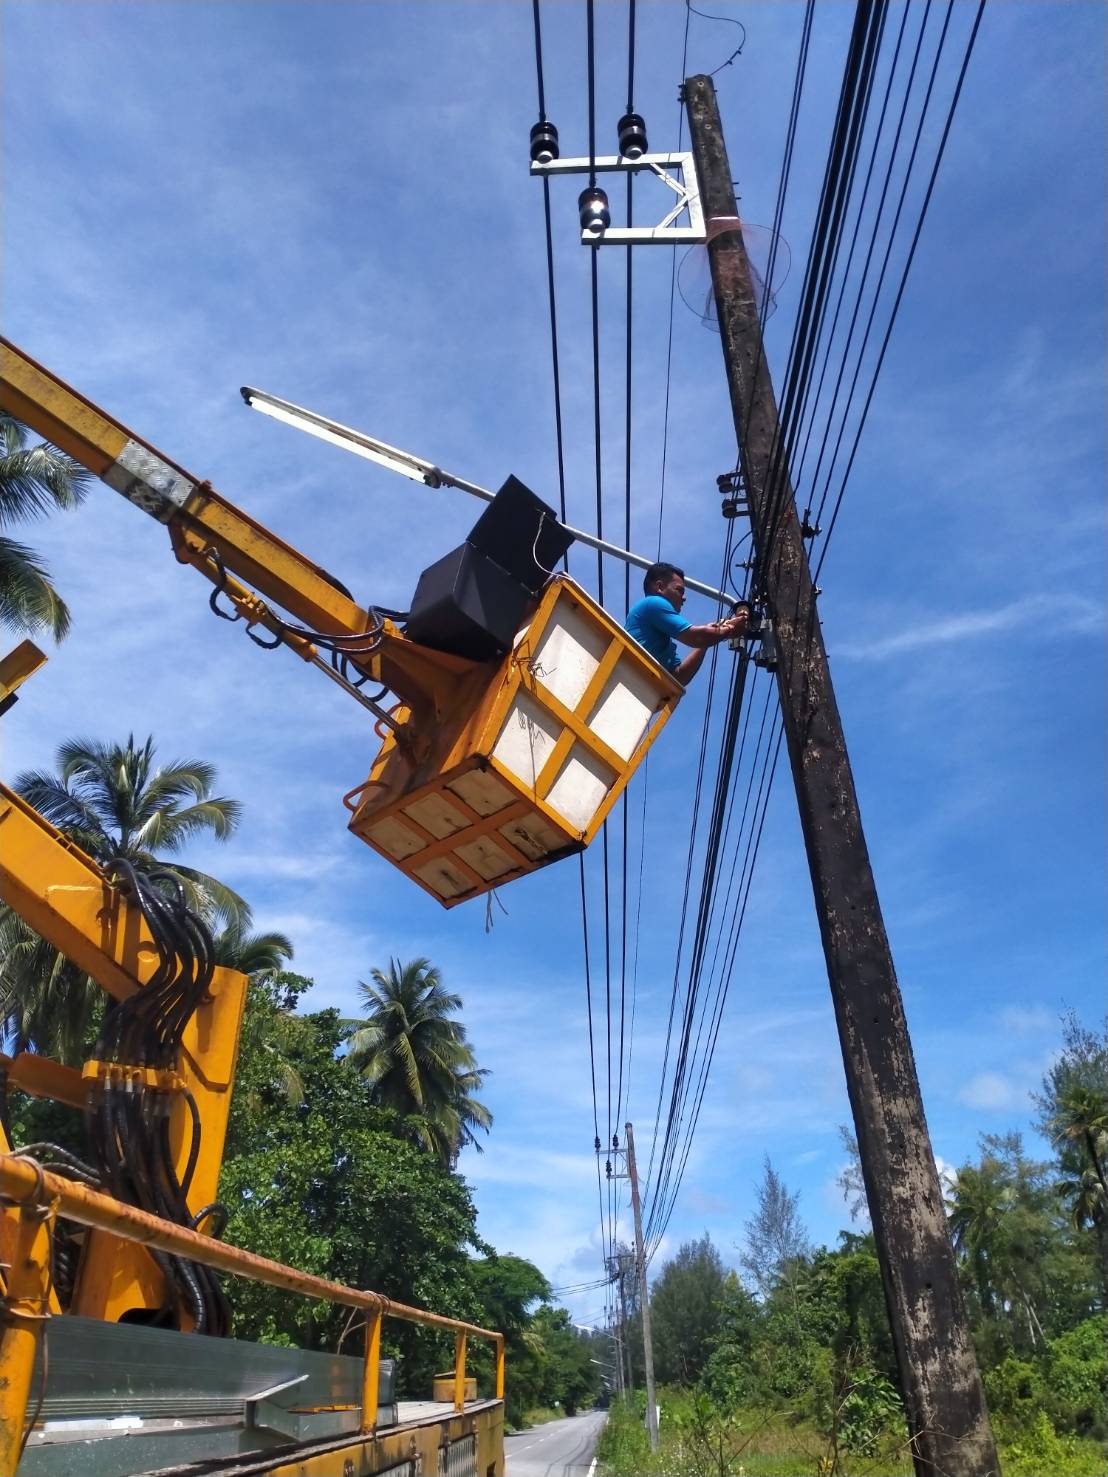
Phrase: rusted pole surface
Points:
(940, 1383)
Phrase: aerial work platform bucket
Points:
(533, 764)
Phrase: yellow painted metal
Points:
(209, 532)
(418, 1442)
(40, 1077)
(371, 1378)
(418, 811)
(21, 662)
(20, 1177)
(63, 894)
(43, 1196)
(459, 1370)
(25, 1309)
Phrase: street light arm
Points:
(418, 469)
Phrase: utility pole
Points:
(644, 1292)
(624, 1341)
(615, 1267)
(943, 1397)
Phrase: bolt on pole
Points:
(943, 1397)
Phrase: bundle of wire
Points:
(127, 1118)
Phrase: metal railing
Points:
(40, 1197)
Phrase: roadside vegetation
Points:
(789, 1368)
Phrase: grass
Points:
(752, 1444)
(540, 1415)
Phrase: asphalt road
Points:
(558, 1449)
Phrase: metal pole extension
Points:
(640, 561)
(947, 1418)
(644, 1291)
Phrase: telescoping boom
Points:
(511, 709)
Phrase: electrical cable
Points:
(839, 202)
(559, 440)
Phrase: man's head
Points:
(666, 580)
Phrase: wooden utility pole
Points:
(615, 1265)
(644, 1291)
(945, 1404)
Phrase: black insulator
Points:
(632, 136)
(595, 215)
(544, 143)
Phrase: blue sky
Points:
(331, 201)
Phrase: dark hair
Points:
(657, 572)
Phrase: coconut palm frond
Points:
(28, 600)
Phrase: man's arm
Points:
(701, 638)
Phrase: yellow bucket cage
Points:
(534, 762)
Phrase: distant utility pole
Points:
(615, 1266)
(644, 1292)
(624, 1340)
(943, 1397)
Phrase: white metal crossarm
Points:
(685, 186)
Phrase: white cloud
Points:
(1036, 617)
(993, 1092)
(1029, 1020)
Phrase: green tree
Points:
(1073, 1114)
(509, 1288)
(415, 1057)
(727, 1376)
(326, 1182)
(570, 1378)
(1014, 1247)
(775, 1235)
(685, 1307)
(251, 953)
(33, 480)
(117, 804)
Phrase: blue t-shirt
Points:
(653, 622)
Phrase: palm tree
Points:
(417, 1059)
(979, 1200)
(32, 481)
(1080, 1119)
(251, 953)
(117, 805)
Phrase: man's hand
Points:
(734, 625)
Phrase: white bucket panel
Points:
(486, 858)
(394, 837)
(526, 739)
(569, 653)
(436, 814)
(580, 788)
(626, 706)
(443, 877)
(533, 835)
(482, 791)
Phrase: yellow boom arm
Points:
(221, 541)
(62, 893)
